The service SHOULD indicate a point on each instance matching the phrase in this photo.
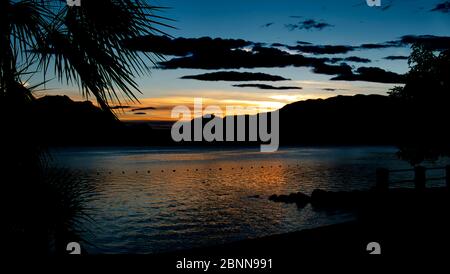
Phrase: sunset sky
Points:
(380, 37)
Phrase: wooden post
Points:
(382, 183)
(447, 176)
(420, 177)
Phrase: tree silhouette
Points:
(81, 46)
(428, 78)
(426, 96)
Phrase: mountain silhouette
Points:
(62, 121)
(340, 120)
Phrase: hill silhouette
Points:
(64, 122)
(364, 119)
(340, 120)
(359, 119)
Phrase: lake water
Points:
(151, 200)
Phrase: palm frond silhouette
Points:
(80, 45)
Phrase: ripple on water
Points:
(140, 209)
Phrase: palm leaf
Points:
(86, 46)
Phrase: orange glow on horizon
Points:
(159, 108)
(163, 107)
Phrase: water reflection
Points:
(160, 200)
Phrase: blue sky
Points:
(352, 23)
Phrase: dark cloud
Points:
(309, 24)
(214, 54)
(268, 25)
(258, 57)
(278, 45)
(354, 59)
(396, 57)
(235, 76)
(342, 69)
(431, 41)
(357, 59)
(443, 7)
(372, 74)
(183, 46)
(343, 72)
(144, 108)
(334, 89)
(389, 44)
(262, 86)
(322, 49)
(218, 53)
(312, 24)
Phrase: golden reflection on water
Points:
(153, 201)
(211, 202)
